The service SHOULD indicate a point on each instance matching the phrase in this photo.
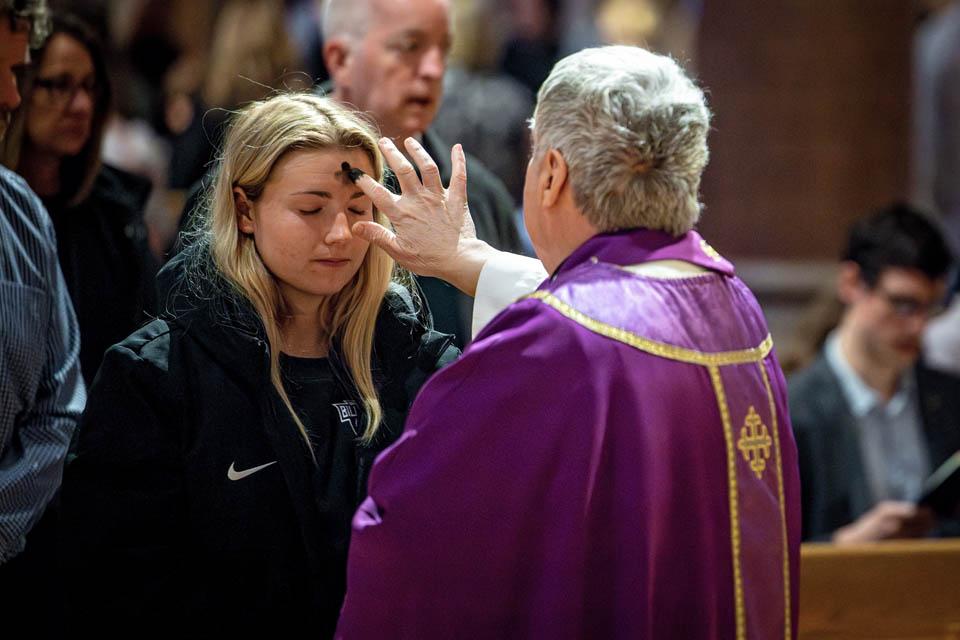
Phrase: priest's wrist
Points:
(463, 271)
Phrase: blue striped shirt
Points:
(41, 388)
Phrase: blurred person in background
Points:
(666, 26)
(387, 58)
(533, 45)
(941, 342)
(935, 162)
(41, 387)
(871, 420)
(250, 57)
(97, 210)
(304, 19)
(484, 109)
(935, 165)
(145, 40)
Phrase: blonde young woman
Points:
(226, 445)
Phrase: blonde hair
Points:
(258, 136)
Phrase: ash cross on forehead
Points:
(350, 173)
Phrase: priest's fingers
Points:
(458, 175)
(406, 174)
(382, 199)
(428, 168)
(457, 193)
(382, 237)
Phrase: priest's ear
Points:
(552, 177)
(244, 208)
(850, 284)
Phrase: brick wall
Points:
(811, 104)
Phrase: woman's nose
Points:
(81, 101)
(340, 229)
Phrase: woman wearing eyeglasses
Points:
(97, 210)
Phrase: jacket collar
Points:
(194, 295)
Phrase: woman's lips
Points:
(332, 262)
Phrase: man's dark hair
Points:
(898, 236)
(32, 12)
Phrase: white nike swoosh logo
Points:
(233, 474)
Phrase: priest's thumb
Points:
(377, 234)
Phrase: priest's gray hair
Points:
(632, 128)
(345, 19)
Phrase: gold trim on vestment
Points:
(739, 609)
(782, 500)
(661, 349)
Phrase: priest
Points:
(612, 455)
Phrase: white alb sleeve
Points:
(504, 278)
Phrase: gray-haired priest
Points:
(612, 456)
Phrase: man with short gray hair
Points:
(612, 456)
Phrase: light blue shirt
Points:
(41, 389)
(895, 457)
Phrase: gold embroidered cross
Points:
(755, 442)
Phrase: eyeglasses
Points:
(63, 89)
(905, 306)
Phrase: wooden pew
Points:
(908, 590)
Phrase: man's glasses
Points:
(905, 306)
(63, 89)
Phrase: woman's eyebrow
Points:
(326, 194)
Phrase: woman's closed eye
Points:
(354, 210)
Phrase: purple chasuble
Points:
(610, 458)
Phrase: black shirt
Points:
(331, 420)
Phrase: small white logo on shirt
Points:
(348, 414)
(233, 474)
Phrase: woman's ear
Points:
(244, 209)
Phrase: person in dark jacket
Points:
(97, 210)
(226, 445)
(872, 422)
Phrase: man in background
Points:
(41, 389)
(871, 421)
(387, 58)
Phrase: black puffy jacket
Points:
(160, 538)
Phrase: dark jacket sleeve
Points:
(407, 341)
(804, 422)
(123, 495)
